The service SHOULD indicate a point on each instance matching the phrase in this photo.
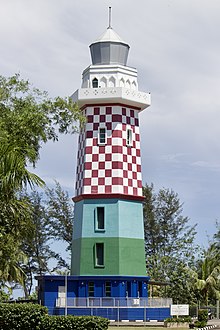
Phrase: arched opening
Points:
(122, 82)
(112, 82)
(103, 82)
(128, 84)
(134, 85)
(95, 83)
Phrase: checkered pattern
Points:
(113, 168)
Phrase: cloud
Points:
(207, 165)
(175, 47)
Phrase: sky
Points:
(176, 50)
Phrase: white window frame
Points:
(99, 135)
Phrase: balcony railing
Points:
(113, 302)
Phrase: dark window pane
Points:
(108, 289)
(102, 135)
(100, 218)
(129, 137)
(99, 254)
(95, 83)
(91, 289)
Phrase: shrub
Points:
(71, 322)
(21, 316)
(203, 315)
(34, 317)
(202, 318)
(200, 324)
(180, 319)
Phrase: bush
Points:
(180, 319)
(34, 317)
(202, 318)
(71, 322)
(200, 324)
(21, 316)
(203, 315)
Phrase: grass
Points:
(139, 327)
(136, 328)
(133, 328)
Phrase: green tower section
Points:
(108, 238)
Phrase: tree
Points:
(208, 272)
(169, 243)
(60, 214)
(14, 212)
(51, 221)
(14, 176)
(35, 242)
(28, 118)
(10, 257)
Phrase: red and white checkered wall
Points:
(113, 168)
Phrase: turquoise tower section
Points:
(120, 237)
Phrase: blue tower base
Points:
(114, 297)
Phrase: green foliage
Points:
(208, 273)
(169, 243)
(203, 315)
(4, 294)
(180, 319)
(202, 318)
(34, 317)
(59, 212)
(28, 118)
(10, 257)
(75, 322)
(200, 324)
(35, 242)
(51, 220)
(21, 316)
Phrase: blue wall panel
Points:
(118, 314)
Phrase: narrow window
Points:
(102, 135)
(91, 289)
(129, 137)
(129, 289)
(139, 289)
(108, 289)
(95, 83)
(100, 218)
(99, 254)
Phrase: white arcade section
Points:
(96, 76)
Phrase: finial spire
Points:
(109, 17)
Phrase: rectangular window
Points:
(129, 137)
(102, 135)
(100, 219)
(91, 289)
(140, 289)
(108, 289)
(99, 255)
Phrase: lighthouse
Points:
(108, 234)
(108, 276)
